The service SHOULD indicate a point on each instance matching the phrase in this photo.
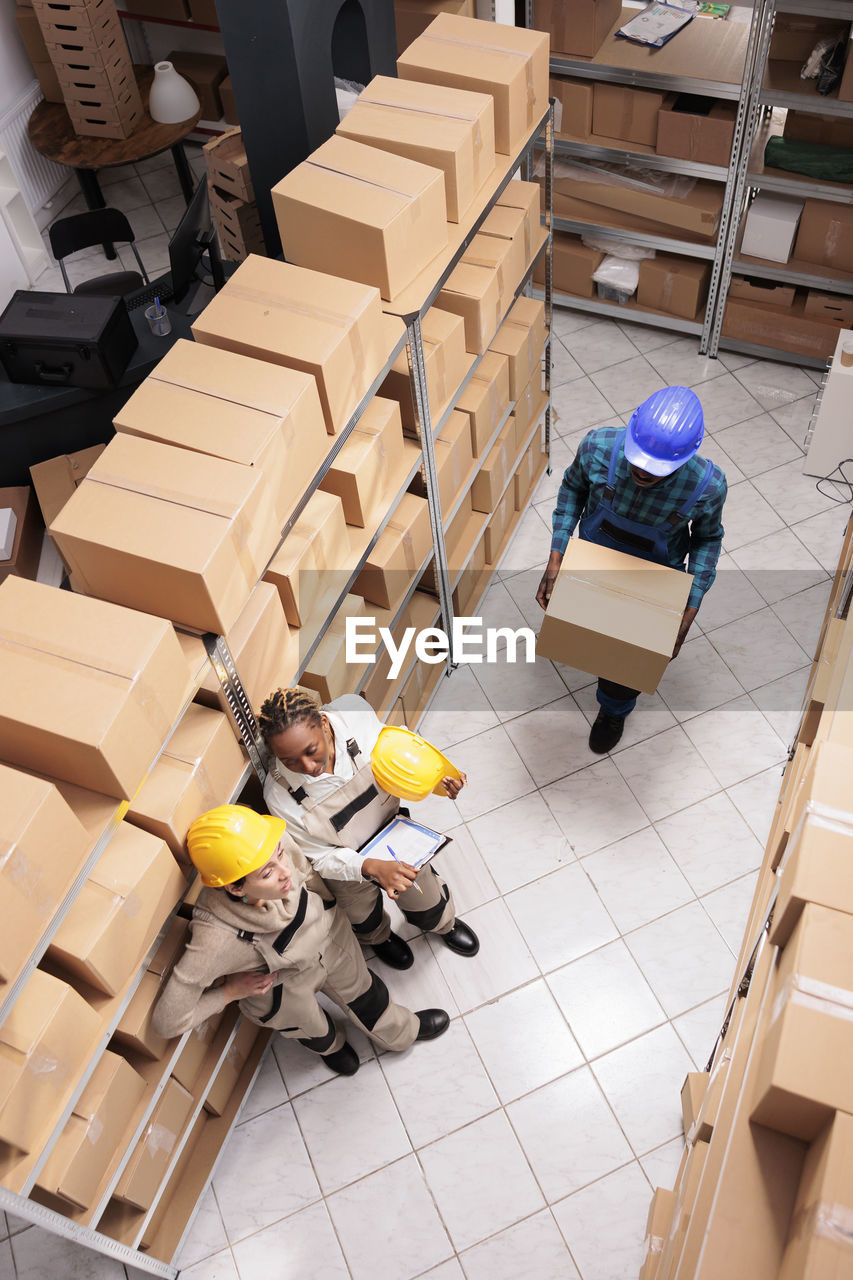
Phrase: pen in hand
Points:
(396, 859)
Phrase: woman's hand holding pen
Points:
(394, 877)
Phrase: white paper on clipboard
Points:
(411, 841)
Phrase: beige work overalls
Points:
(350, 818)
(316, 951)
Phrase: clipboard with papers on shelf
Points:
(404, 840)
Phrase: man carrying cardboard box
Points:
(643, 490)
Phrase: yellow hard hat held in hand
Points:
(230, 841)
(409, 767)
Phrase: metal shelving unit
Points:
(761, 94)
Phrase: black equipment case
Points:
(66, 339)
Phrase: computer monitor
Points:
(192, 239)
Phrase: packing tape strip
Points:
(18, 871)
(471, 118)
(498, 49)
(614, 591)
(813, 994)
(41, 1063)
(828, 1221)
(408, 196)
(129, 903)
(159, 1138)
(241, 534)
(826, 818)
(653, 1245)
(94, 1129)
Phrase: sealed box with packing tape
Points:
(485, 400)
(331, 328)
(226, 1078)
(135, 1031)
(573, 265)
(398, 554)
(629, 115)
(328, 671)
(818, 1245)
(494, 254)
(453, 460)
(316, 547)
(658, 1223)
(44, 846)
(521, 338)
(510, 63)
(363, 214)
(119, 910)
(445, 363)
(186, 1070)
(61, 652)
(510, 225)
(497, 527)
(491, 479)
(371, 456)
(449, 129)
(237, 408)
(199, 769)
(150, 1157)
(528, 409)
(172, 532)
(524, 196)
(676, 286)
(472, 291)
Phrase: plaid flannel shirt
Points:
(698, 540)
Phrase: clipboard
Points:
(411, 841)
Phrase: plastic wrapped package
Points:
(346, 92)
(617, 278)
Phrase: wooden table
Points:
(52, 134)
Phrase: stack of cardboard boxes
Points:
(86, 45)
(412, 17)
(764, 1188)
(232, 197)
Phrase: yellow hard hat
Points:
(230, 841)
(407, 766)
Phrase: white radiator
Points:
(39, 179)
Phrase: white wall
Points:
(16, 72)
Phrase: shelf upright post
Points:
(423, 427)
(549, 260)
(226, 672)
(749, 109)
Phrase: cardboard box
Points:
(371, 456)
(186, 1069)
(696, 210)
(795, 35)
(29, 533)
(705, 1119)
(31, 35)
(233, 407)
(44, 1041)
(510, 63)
(818, 868)
(229, 102)
(496, 529)
(448, 129)
(199, 769)
(767, 292)
(55, 480)
(88, 26)
(317, 545)
(845, 89)
(93, 1132)
(118, 911)
(772, 327)
(265, 652)
(48, 81)
(658, 1223)
(692, 1094)
(831, 308)
(818, 1246)
(44, 846)
(308, 320)
(362, 214)
(510, 226)
(573, 265)
(485, 400)
(573, 107)
(62, 652)
(238, 225)
(328, 672)
(525, 472)
(828, 131)
(528, 408)
(820, 785)
(676, 286)
(523, 196)
(495, 255)
(149, 1160)
(770, 227)
(453, 459)
(228, 165)
(171, 532)
(521, 338)
(490, 481)
(474, 293)
(614, 615)
(445, 362)
(134, 1031)
(580, 29)
(803, 1074)
(694, 128)
(235, 1059)
(630, 115)
(205, 72)
(398, 554)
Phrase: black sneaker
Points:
(605, 733)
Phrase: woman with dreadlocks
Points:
(322, 784)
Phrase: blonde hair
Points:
(287, 707)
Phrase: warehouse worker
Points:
(266, 932)
(322, 784)
(645, 491)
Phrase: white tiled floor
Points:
(609, 895)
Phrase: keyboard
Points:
(144, 297)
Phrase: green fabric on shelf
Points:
(832, 164)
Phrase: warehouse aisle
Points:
(609, 893)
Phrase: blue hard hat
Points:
(665, 431)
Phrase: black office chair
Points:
(97, 226)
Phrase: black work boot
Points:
(395, 952)
(434, 1022)
(344, 1061)
(605, 733)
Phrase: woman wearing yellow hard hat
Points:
(337, 778)
(266, 932)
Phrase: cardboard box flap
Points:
(434, 102)
(228, 375)
(195, 419)
(388, 184)
(309, 532)
(28, 802)
(56, 479)
(640, 583)
(470, 279)
(31, 1014)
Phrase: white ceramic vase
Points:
(172, 98)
